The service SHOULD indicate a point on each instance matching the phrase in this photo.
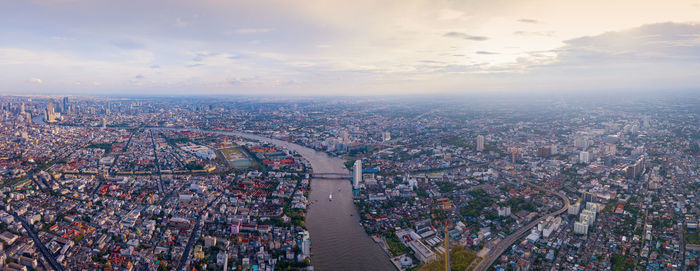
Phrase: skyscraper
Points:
(357, 174)
(50, 113)
(66, 109)
(480, 143)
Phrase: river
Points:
(338, 241)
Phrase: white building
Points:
(589, 213)
(504, 211)
(574, 208)
(413, 241)
(580, 228)
(480, 143)
(580, 142)
(306, 245)
(584, 157)
(386, 136)
(357, 174)
(593, 206)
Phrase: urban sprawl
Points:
(102, 183)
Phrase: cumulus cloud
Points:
(34, 81)
(465, 36)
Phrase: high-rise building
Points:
(66, 108)
(581, 227)
(306, 245)
(480, 143)
(635, 170)
(386, 136)
(504, 211)
(574, 208)
(581, 142)
(545, 151)
(357, 174)
(610, 149)
(584, 157)
(50, 112)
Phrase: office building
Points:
(50, 113)
(66, 108)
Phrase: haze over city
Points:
(328, 135)
(347, 48)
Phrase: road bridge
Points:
(332, 176)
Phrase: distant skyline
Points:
(346, 48)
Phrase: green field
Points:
(692, 238)
(236, 157)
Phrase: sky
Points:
(328, 47)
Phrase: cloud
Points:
(648, 57)
(534, 33)
(647, 43)
(253, 30)
(181, 22)
(139, 76)
(529, 21)
(127, 44)
(34, 81)
(325, 44)
(465, 36)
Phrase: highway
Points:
(504, 244)
(37, 242)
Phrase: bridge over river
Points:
(332, 176)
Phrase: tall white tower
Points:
(357, 174)
(480, 143)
